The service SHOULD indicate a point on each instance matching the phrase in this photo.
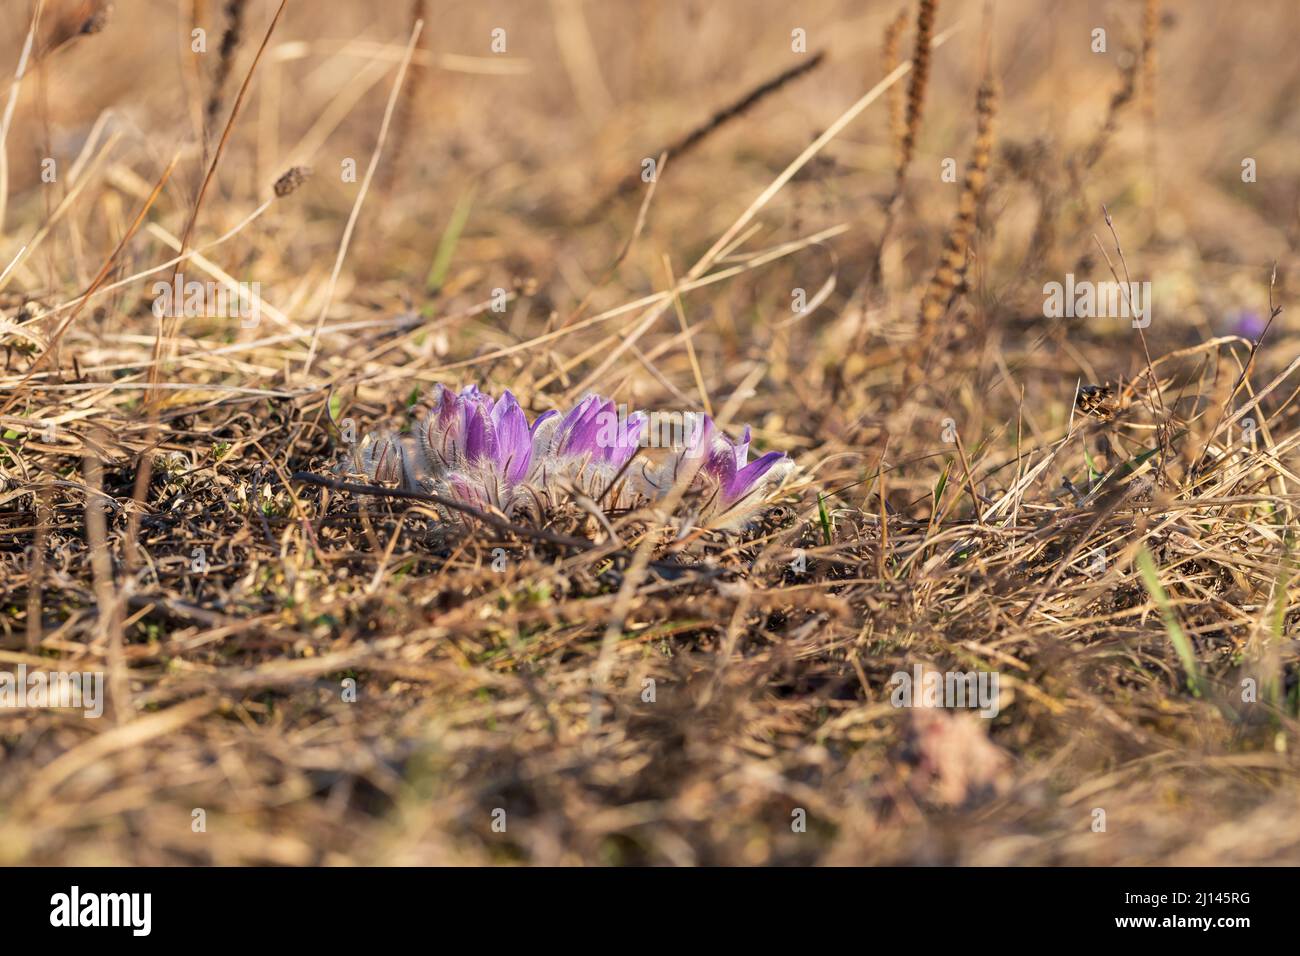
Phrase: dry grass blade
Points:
(361, 193)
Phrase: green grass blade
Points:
(941, 484)
(447, 244)
(1151, 578)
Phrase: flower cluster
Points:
(485, 453)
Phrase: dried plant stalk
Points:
(918, 83)
(230, 41)
(897, 105)
(949, 277)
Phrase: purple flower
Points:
(473, 444)
(497, 438)
(593, 429)
(444, 434)
(727, 463)
(486, 454)
(1248, 324)
(737, 484)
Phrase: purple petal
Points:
(699, 437)
(744, 480)
(503, 408)
(515, 443)
(584, 434)
(721, 464)
(742, 449)
(628, 441)
(576, 413)
(445, 406)
(545, 416)
(480, 437)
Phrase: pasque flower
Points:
(727, 467)
(485, 453)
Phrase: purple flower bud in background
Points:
(1248, 324)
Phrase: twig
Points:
(689, 141)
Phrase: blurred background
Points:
(532, 143)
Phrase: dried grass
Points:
(233, 602)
